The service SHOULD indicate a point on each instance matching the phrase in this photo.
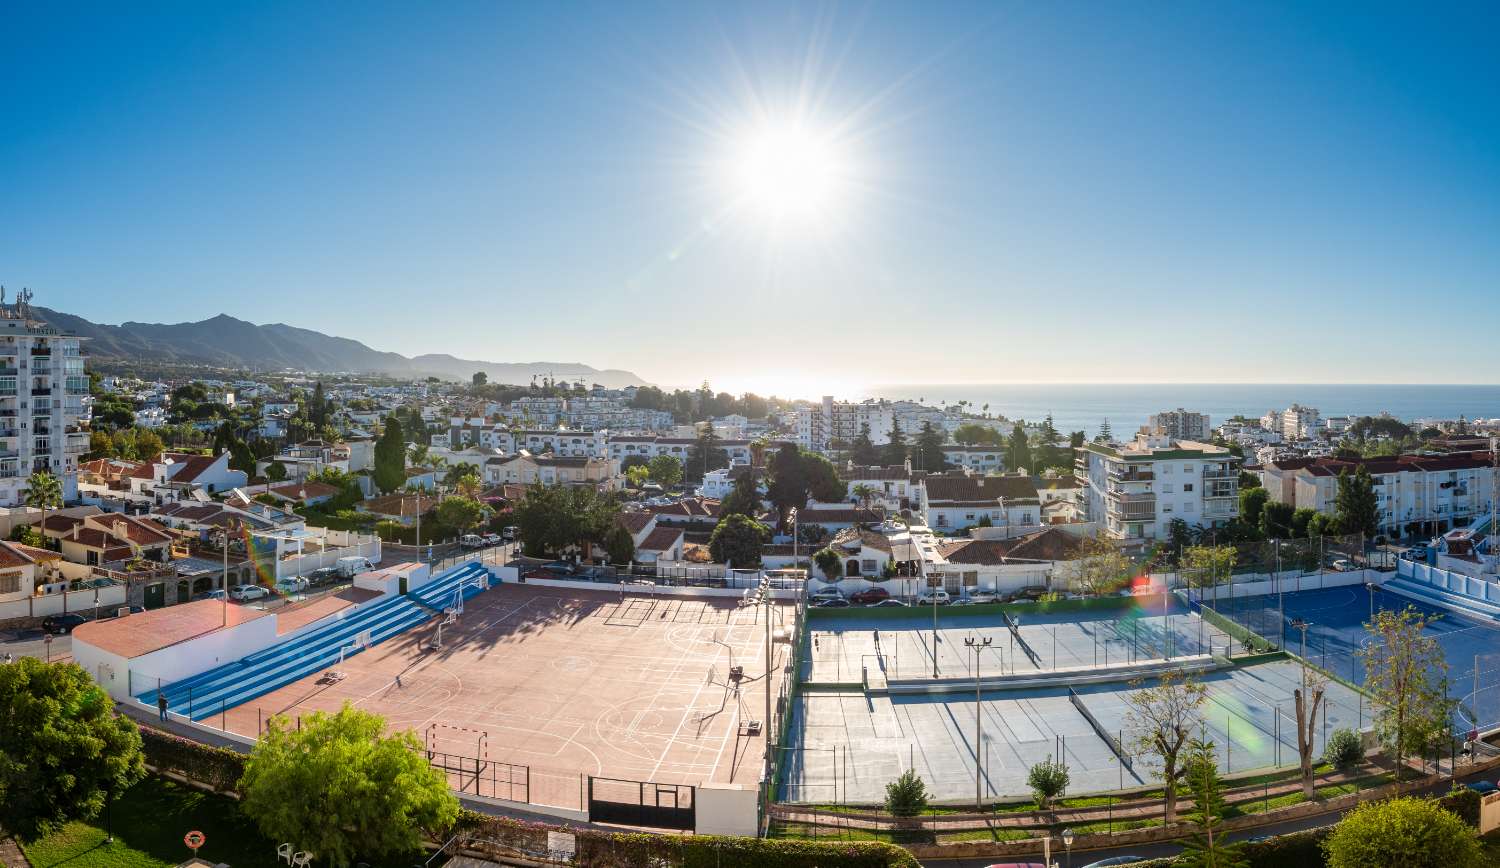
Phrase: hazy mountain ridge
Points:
(225, 341)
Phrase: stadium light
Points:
(978, 646)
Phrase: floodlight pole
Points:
(978, 732)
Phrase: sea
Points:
(1084, 406)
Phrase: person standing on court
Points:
(161, 705)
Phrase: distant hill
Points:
(224, 341)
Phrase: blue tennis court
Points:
(1336, 617)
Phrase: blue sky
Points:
(1091, 192)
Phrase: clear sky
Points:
(796, 198)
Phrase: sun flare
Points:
(789, 170)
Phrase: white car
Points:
(826, 594)
(927, 597)
(962, 601)
(983, 596)
(291, 585)
(244, 593)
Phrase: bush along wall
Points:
(217, 767)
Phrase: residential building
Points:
(819, 425)
(1134, 490)
(1180, 424)
(980, 459)
(24, 570)
(1415, 494)
(1294, 423)
(952, 502)
(524, 468)
(44, 417)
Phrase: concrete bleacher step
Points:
(1443, 598)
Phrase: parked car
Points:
(834, 603)
(324, 576)
(511, 532)
(1343, 565)
(1015, 865)
(61, 625)
(215, 594)
(492, 539)
(827, 594)
(353, 565)
(888, 604)
(984, 595)
(471, 541)
(961, 601)
(927, 597)
(559, 568)
(1482, 787)
(1115, 860)
(869, 596)
(291, 585)
(1415, 553)
(245, 593)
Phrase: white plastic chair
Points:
(302, 859)
(284, 853)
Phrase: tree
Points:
(743, 498)
(666, 470)
(1321, 524)
(479, 378)
(737, 541)
(1100, 567)
(866, 494)
(1208, 567)
(893, 453)
(830, 563)
(148, 444)
(1343, 750)
(1252, 501)
(1301, 520)
(1159, 720)
(390, 457)
(823, 482)
(637, 475)
(1405, 832)
(1018, 451)
(1355, 505)
(788, 486)
(1276, 520)
(1308, 697)
(619, 546)
(1049, 436)
(276, 471)
(461, 513)
(1407, 674)
(970, 434)
(63, 750)
(1048, 779)
(906, 796)
(705, 454)
(862, 451)
(928, 454)
(43, 491)
(1105, 435)
(460, 472)
(339, 787)
(1204, 848)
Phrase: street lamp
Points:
(978, 646)
(1300, 624)
(1067, 839)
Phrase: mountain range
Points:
(226, 342)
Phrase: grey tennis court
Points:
(846, 745)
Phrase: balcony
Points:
(41, 351)
(41, 411)
(41, 390)
(1131, 475)
(1220, 473)
(1132, 507)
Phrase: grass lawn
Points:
(149, 822)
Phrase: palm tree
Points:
(866, 494)
(419, 453)
(44, 492)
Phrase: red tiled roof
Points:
(635, 522)
(142, 633)
(305, 490)
(190, 467)
(399, 504)
(661, 539)
(980, 489)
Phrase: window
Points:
(1188, 507)
(10, 582)
(1187, 486)
(1166, 468)
(1187, 468)
(867, 565)
(1166, 508)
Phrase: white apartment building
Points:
(1294, 423)
(1135, 490)
(1179, 424)
(44, 417)
(981, 459)
(820, 425)
(1416, 494)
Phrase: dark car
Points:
(834, 604)
(323, 576)
(1482, 787)
(869, 596)
(1115, 860)
(62, 624)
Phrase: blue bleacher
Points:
(1443, 598)
(240, 681)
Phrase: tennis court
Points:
(1335, 619)
(533, 689)
(902, 647)
(847, 745)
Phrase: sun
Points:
(788, 170)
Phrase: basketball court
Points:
(531, 691)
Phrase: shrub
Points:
(1464, 803)
(1402, 833)
(906, 796)
(216, 767)
(1343, 749)
(1296, 850)
(830, 563)
(1047, 779)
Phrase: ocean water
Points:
(1084, 406)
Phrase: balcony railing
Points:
(44, 390)
(1132, 476)
(1220, 474)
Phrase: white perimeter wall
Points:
(1289, 582)
(726, 809)
(182, 660)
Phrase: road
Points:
(1155, 851)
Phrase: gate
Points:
(642, 803)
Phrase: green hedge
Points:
(216, 767)
(632, 849)
(1465, 803)
(1254, 641)
(1294, 850)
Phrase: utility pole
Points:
(978, 646)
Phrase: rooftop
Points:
(137, 635)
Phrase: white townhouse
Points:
(954, 502)
(980, 459)
(1134, 490)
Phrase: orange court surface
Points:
(562, 684)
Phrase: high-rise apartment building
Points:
(1180, 424)
(44, 415)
